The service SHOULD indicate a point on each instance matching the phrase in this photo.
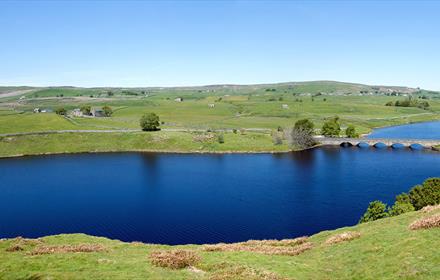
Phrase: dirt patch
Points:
(430, 208)
(244, 273)
(426, 223)
(345, 236)
(288, 247)
(15, 248)
(175, 259)
(204, 138)
(56, 249)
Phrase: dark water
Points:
(177, 199)
(425, 130)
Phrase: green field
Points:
(261, 107)
(386, 249)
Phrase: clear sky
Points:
(196, 43)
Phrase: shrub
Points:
(331, 128)
(107, 111)
(375, 211)
(426, 194)
(150, 122)
(389, 103)
(351, 132)
(221, 138)
(234, 131)
(400, 208)
(277, 139)
(86, 110)
(61, 111)
(174, 259)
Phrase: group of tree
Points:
(409, 102)
(331, 128)
(301, 135)
(428, 193)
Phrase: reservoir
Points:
(208, 198)
(201, 198)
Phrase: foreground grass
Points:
(384, 249)
(137, 141)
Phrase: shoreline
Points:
(167, 151)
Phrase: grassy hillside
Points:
(265, 107)
(383, 249)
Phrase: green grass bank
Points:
(384, 249)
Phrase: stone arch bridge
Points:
(426, 143)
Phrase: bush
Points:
(389, 103)
(150, 122)
(402, 205)
(351, 132)
(221, 138)
(277, 139)
(107, 111)
(426, 194)
(86, 110)
(375, 211)
(331, 128)
(60, 111)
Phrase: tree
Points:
(301, 137)
(60, 111)
(331, 128)
(150, 122)
(375, 211)
(426, 194)
(107, 111)
(86, 110)
(305, 124)
(351, 132)
(402, 205)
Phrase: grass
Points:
(384, 249)
(244, 108)
(137, 141)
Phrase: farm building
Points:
(77, 113)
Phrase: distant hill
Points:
(309, 87)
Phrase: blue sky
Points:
(85, 43)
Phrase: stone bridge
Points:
(426, 143)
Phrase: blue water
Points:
(179, 199)
(425, 130)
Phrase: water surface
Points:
(424, 130)
(179, 199)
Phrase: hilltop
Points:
(308, 87)
(383, 249)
